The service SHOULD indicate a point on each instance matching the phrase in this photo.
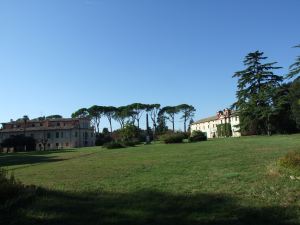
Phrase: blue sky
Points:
(59, 55)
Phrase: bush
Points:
(113, 145)
(291, 160)
(103, 138)
(9, 187)
(197, 136)
(130, 143)
(172, 138)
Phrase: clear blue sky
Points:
(59, 55)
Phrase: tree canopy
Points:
(256, 87)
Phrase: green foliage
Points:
(295, 67)
(80, 113)
(295, 100)
(188, 112)
(122, 114)
(197, 136)
(129, 132)
(257, 85)
(283, 121)
(224, 130)
(54, 117)
(113, 145)
(109, 112)
(291, 160)
(169, 112)
(9, 187)
(102, 138)
(95, 113)
(171, 138)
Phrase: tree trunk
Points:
(173, 124)
(110, 125)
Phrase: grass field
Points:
(222, 181)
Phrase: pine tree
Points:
(256, 85)
(295, 67)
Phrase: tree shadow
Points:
(145, 207)
(16, 159)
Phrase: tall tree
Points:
(153, 110)
(137, 111)
(295, 100)
(295, 67)
(80, 113)
(121, 114)
(170, 112)
(54, 117)
(161, 122)
(188, 112)
(95, 113)
(283, 121)
(109, 112)
(256, 88)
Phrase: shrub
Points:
(291, 160)
(130, 143)
(103, 138)
(113, 145)
(172, 138)
(9, 187)
(197, 136)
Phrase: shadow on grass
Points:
(14, 159)
(144, 207)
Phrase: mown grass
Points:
(223, 181)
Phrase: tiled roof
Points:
(49, 120)
(29, 129)
(208, 119)
(212, 118)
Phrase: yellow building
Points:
(209, 125)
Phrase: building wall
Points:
(54, 134)
(210, 127)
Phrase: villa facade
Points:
(52, 133)
(209, 125)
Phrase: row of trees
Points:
(132, 114)
(266, 101)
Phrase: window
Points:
(58, 124)
(48, 135)
(32, 135)
(33, 125)
(62, 134)
(41, 124)
(67, 144)
(76, 134)
(57, 144)
(49, 145)
(57, 134)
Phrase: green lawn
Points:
(222, 181)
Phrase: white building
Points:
(209, 125)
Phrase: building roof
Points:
(50, 120)
(208, 119)
(32, 129)
(212, 118)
